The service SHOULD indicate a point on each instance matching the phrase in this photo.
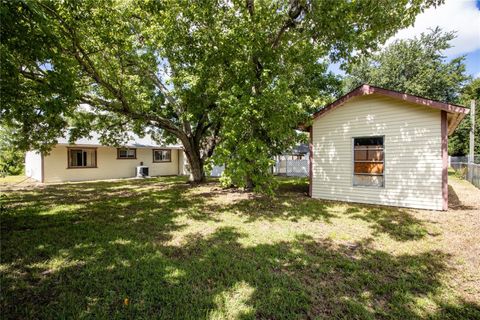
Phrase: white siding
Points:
(33, 165)
(413, 160)
(108, 166)
(182, 163)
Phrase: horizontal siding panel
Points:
(405, 197)
(413, 163)
(435, 203)
(390, 183)
(432, 205)
(366, 191)
(368, 119)
(400, 120)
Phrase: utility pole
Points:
(471, 154)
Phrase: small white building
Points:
(88, 159)
(383, 147)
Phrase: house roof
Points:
(455, 113)
(134, 142)
(298, 149)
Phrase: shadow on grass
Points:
(292, 203)
(218, 277)
(399, 224)
(71, 254)
(454, 201)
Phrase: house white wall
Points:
(33, 165)
(108, 166)
(183, 163)
(412, 144)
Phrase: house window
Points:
(126, 153)
(162, 155)
(368, 162)
(82, 158)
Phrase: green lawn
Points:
(159, 248)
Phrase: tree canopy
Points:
(415, 66)
(418, 66)
(233, 75)
(459, 141)
(11, 157)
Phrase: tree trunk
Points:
(249, 185)
(197, 173)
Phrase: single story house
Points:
(298, 152)
(88, 159)
(293, 162)
(383, 147)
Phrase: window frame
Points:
(127, 158)
(161, 161)
(367, 174)
(70, 149)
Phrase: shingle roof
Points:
(299, 149)
(134, 142)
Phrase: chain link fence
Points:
(289, 168)
(464, 159)
(292, 168)
(465, 170)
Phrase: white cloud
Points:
(455, 15)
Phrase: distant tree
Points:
(11, 157)
(415, 66)
(459, 141)
(237, 75)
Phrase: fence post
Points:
(471, 154)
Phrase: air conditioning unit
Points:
(142, 171)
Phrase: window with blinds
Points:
(126, 153)
(368, 162)
(162, 155)
(82, 158)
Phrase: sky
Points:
(462, 16)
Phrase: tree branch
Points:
(111, 106)
(159, 84)
(250, 7)
(296, 9)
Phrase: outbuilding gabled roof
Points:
(455, 113)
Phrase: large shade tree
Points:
(235, 74)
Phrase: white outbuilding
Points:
(383, 147)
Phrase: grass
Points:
(160, 248)
(7, 180)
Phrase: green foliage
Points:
(242, 73)
(11, 158)
(461, 173)
(416, 66)
(459, 141)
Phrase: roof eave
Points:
(124, 146)
(455, 120)
(366, 89)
